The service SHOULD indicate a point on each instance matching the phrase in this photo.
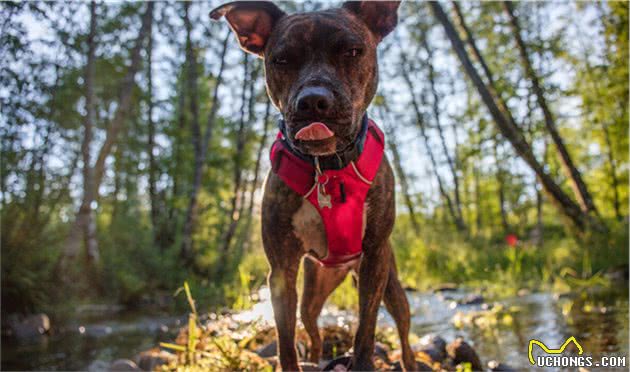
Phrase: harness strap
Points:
(347, 189)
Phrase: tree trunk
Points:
(500, 175)
(436, 114)
(539, 217)
(151, 141)
(200, 144)
(508, 127)
(83, 230)
(255, 183)
(577, 183)
(478, 215)
(187, 250)
(84, 225)
(401, 176)
(612, 166)
(421, 125)
(501, 103)
(237, 176)
(125, 97)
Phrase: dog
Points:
(321, 73)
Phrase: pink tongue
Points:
(313, 132)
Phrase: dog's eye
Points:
(354, 52)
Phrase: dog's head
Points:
(320, 67)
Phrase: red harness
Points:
(347, 189)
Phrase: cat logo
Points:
(552, 351)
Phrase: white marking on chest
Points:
(309, 228)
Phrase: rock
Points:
(150, 359)
(563, 295)
(432, 345)
(472, 299)
(523, 292)
(409, 288)
(445, 287)
(269, 350)
(28, 327)
(461, 352)
(381, 351)
(494, 365)
(617, 274)
(98, 366)
(339, 364)
(124, 365)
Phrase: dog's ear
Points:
(381, 17)
(251, 21)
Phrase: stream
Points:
(597, 319)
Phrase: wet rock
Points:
(523, 292)
(339, 364)
(382, 351)
(153, 358)
(98, 366)
(432, 345)
(445, 287)
(28, 327)
(472, 299)
(618, 273)
(494, 365)
(564, 295)
(124, 365)
(269, 350)
(461, 352)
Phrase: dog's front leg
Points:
(373, 273)
(284, 299)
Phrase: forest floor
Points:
(453, 329)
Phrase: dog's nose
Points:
(314, 101)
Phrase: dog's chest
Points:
(309, 228)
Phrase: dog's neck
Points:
(339, 159)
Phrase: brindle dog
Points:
(322, 67)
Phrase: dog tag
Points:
(323, 199)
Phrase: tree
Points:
(200, 143)
(237, 177)
(420, 122)
(579, 187)
(82, 219)
(507, 126)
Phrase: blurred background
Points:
(134, 144)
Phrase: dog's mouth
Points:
(315, 139)
(315, 131)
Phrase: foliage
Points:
(581, 59)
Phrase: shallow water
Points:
(598, 320)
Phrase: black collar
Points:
(338, 160)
